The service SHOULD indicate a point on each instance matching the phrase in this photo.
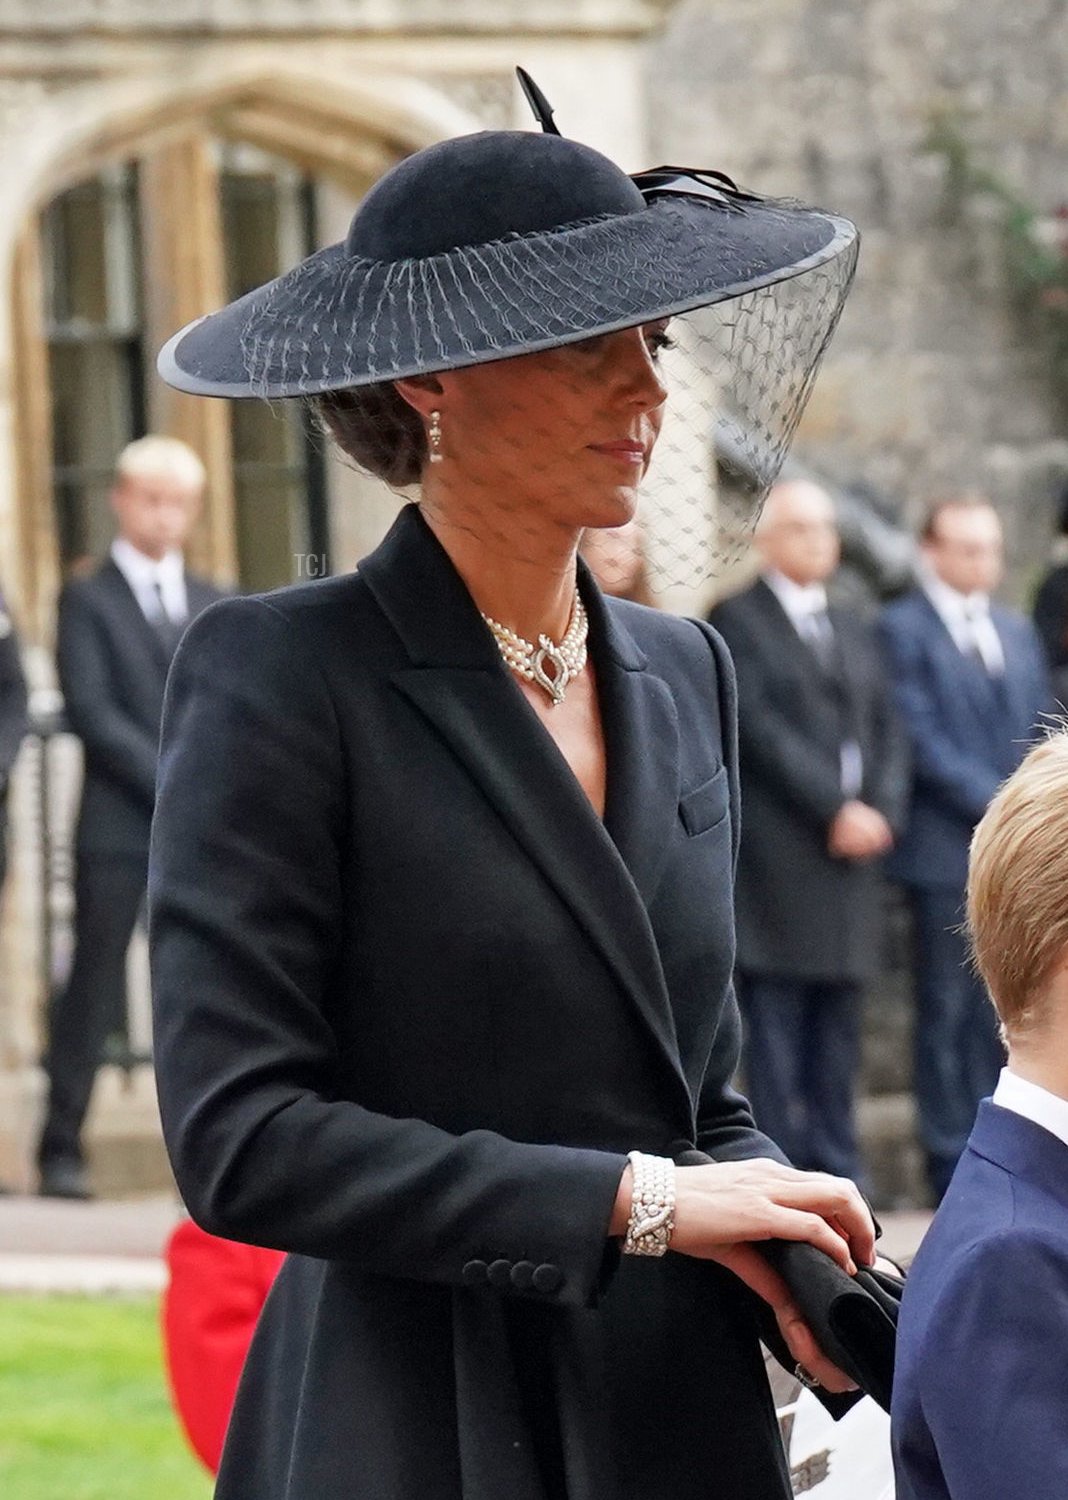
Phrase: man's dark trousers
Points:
(802, 1052)
(958, 1055)
(109, 890)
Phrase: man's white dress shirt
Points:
(145, 575)
(967, 618)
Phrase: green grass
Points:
(84, 1410)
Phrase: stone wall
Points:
(931, 380)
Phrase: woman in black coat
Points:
(442, 927)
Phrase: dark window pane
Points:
(91, 245)
(279, 484)
(91, 239)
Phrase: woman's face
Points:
(563, 436)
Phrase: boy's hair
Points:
(159, 457)
(1018, 886)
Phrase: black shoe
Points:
(64, 1179)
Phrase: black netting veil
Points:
(739, 378)
(736, 376)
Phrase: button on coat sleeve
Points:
(246, 905)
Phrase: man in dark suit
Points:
(980, 1404)
(117, 631)
(823, 771)
(971, 684)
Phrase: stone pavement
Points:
(110, 1246)
(115, 1245)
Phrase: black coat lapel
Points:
(781, 630)
(459, 683)
(641, 730)
(112, 578)
(777, 627)
(978, 687)
(1017, 685)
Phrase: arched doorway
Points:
(173, 204)
(103, 260)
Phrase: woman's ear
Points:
(422, 393)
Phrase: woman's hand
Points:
(723, 1204)
(750, 1266)
(722, 1208)
(888, 1267)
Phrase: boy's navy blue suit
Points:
(980, 1408)
(968, 730)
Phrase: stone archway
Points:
(347, 132)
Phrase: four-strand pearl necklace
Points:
(529, 661)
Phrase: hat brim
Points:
(336, 321)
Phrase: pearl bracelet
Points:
(652, 1205)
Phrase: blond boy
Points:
(980, 1408)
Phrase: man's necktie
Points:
(168, 630)
(818, 632)
(971, 644)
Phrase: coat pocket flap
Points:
(706, 805)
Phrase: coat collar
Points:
(606, 872)
(1021, 1147)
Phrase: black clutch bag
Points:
(853, 1319)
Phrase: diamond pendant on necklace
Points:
(529, 661)
(556, 685)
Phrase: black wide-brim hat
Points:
(494, 245)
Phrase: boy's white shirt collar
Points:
(1033, 1102)
(142, 573)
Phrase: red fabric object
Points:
(215, 1291)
